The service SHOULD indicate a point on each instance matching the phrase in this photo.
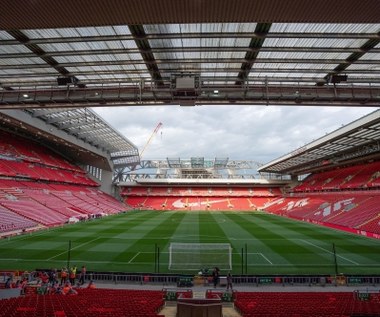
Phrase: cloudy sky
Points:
(258, 133)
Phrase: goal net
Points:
(196, 256)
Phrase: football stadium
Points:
(90, 227)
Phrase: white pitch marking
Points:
(266, 258)
(328, 251)
(80, 245)
(130, 261)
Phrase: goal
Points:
(198, 256)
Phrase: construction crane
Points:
(158, 127)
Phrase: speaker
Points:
(336, 79)
(63, 81)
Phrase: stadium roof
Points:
(358, 141)
(86, 125)
(78, 133)
(197, 170)
(98, 53)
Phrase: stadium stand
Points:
(88, 302)
(199, 198)
(356, 211)
(36, 162)
(149, 303)
(344, 198)
(50, 204)
(35, 211)
(35, 178)
(327, 304)
(39, 188)
(10, 221)
(353, 177)
(16, 147)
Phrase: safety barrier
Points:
(120, 278)
(243, 280)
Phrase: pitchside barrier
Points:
(178, 280)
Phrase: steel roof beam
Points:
(44, 112)
(194, 61)
(190, 49)
(205, 35)
(212, 82)
(142, 43)
(70, 124)
(167, 71)
(252, 52)
(37, 51)
(354, 58)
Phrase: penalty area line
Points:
(78, 246)
(265, 258)
(328, 251)
(137, 254)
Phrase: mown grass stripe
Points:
(125, 242)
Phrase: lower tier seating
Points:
(10, 221)
(88, 302)
(27, 204)
(195, 203)
(356, 210)
(318, 304)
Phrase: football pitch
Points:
(261, 244)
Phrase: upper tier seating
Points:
(22, 169)
(24, 158)
(353, 177)
(27, 150)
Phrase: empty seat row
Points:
(88, 302)
(316, 304)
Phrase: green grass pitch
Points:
(126, 243)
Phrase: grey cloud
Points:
(239, 132)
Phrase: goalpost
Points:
(196, 256)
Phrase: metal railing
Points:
(242, 280)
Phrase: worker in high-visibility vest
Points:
(72, 275)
